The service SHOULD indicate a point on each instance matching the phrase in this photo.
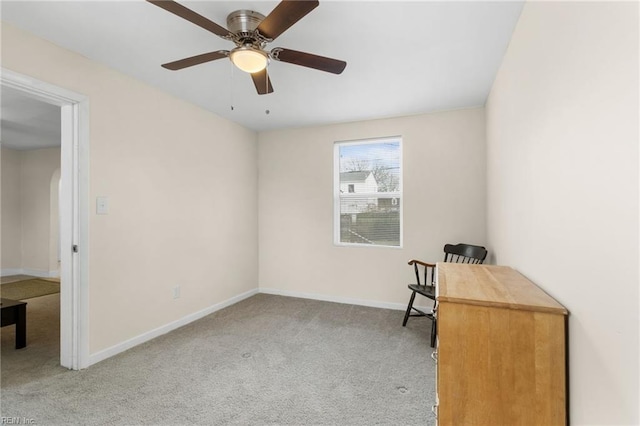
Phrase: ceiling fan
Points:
(251, 31)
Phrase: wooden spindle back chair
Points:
(426, 280)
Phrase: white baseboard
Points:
(345, 300)
(7, 272)
(26, 271)
(35, 272)
(128, 344)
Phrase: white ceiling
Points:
(403, 57)
(27, 123)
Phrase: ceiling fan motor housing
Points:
(243, 23)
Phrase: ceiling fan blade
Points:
(191, 16)
(262, 82)
(308, 60)
(286, 13)
(196, 60)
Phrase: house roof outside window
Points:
(359, 176)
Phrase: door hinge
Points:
(75, 248)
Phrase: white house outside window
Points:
(368, 192)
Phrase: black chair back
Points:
(464, 253)
(458, 253)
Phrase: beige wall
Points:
(36, 171)
(182, 188)
(28, 222)
(11, 259)
(444, 201)
(562, 141)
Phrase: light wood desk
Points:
(501, 349)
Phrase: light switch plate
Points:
(102, 205)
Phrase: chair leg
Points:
(433, 332)
(406, 315)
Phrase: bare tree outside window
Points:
(387, 181)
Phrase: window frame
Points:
(337, 196)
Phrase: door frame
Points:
(74, 211)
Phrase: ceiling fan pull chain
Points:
(231, 88)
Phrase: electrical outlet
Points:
(176, 292)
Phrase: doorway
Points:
(73, 208)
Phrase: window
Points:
(368, 192)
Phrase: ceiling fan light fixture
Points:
(250, 32)
(249, 59)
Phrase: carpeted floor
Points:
(267, 360)
(29, 288)
(13, 278)
(41, 357)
